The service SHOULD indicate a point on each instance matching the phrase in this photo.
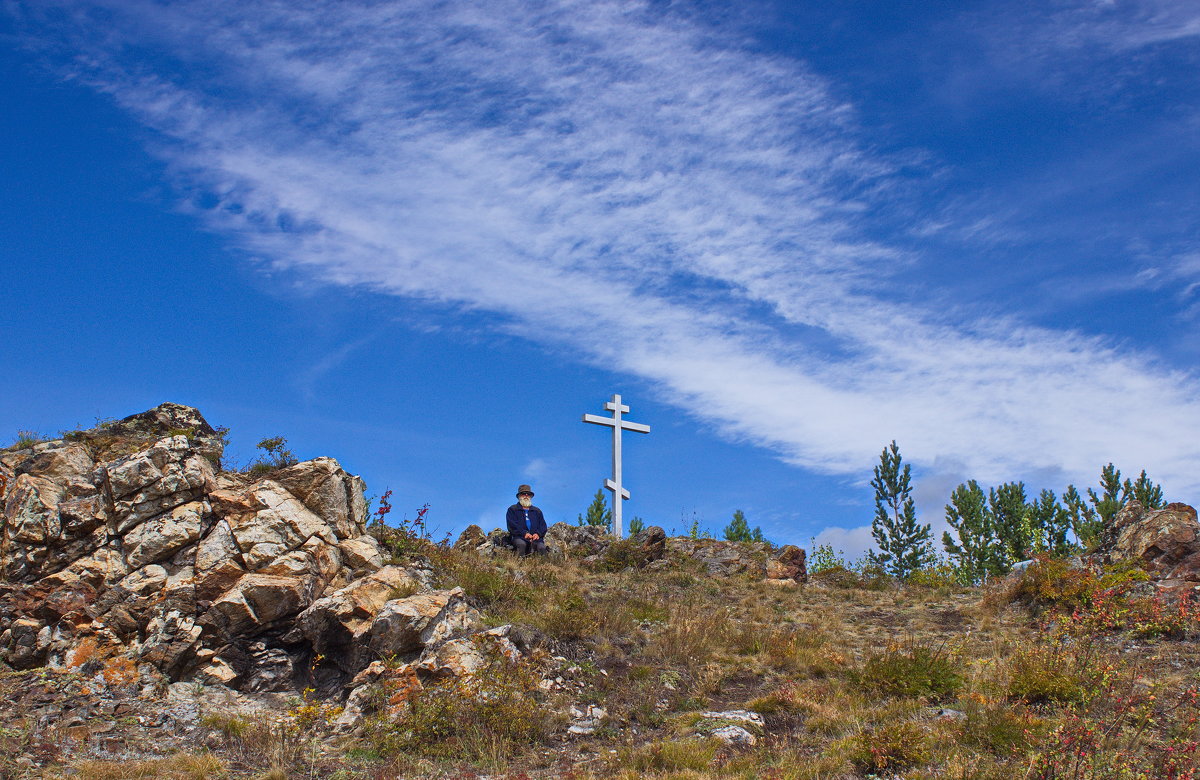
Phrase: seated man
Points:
(526, 525)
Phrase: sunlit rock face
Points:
(128, 541)
(129, 554)
(1166, 541)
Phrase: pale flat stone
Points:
(161, 537)
(361, 552)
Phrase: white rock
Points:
(734, 735)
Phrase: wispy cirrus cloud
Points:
(679, 208)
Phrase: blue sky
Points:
(426, 237)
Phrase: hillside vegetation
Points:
(601, 661)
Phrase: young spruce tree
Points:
(1008, 508)
(904, 545)
(1051, 522)
(974, 554)
(1088, 522)
(738, 529)
(598, 512)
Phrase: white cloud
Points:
(536, 468)
(680, 209)
(849, 543)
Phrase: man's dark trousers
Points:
(528, 546)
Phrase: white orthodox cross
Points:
(617, 424)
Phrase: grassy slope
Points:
(849, 676)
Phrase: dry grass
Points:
(184, 766)
(851, 678)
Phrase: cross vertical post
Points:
(620, 494)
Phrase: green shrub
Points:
(674, 756)
(999, 729)
(567, 616)
(824, 559)
(943, 577)
(837, 576)
(622, 554)
(25, 440)
(911, 669)
(498, 711)
(1048, 673)
(891, 748)
(277, 456)
(490, 584)
(642, 610)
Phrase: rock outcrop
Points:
(126, 551)
(1165, 541)
(652, 547)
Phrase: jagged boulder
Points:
(788, 564)
(124, 544)
(472, 538)
(579, 541)
(721, 558)
(1165, 541)
(406, 625)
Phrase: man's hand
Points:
(531, 537)
(535, 537)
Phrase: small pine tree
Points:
(973, 555)
(1149, 494)
(1115, 493)
(904, 545)
(1050, 522)
(1008, 507)
(738, 529)
(597, 512)
(636, 525)
(1088, 522)
(1085, 524)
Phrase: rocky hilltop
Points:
(126, 551)
(128, 554)
(204, 622)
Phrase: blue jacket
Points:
(516, 521)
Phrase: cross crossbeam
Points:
(620, 494)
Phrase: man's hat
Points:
(524, 489)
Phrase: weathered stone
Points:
(361, 552)
(734, 735)
(24, 643)
(171, 642)
(216, 672)
(145, 581)
(788, 564)
(1165, 541)
(31, 510)
(255, 602)
(61, 461)
(653, 541)
(406, 625)
(281, 524)
(465, 656)
(745, 717)
(153, 481)
(336, 624)
(146, 556)
(161, 537)
(721, 558)
(271, 669)
(471, 538)
(164, 420)
(218, 562)
(329, 492)
(578, 540)
(585, 721)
